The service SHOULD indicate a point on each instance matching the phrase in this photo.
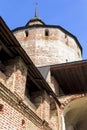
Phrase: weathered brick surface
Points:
(45, 50)
(16, 74)
(41, 101)
(46, 107)
(11, 119)
(15, 79)
(53, 114)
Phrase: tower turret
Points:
(48, 44)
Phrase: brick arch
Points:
(71, 98)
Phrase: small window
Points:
(66, 60)
(65, 35)
(46, 32)
(26, 33)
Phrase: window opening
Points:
(26, 33)
(46, 32)
(65, 35)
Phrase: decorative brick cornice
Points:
(19, 105)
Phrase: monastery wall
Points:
(14, 104)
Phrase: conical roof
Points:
(35, 20)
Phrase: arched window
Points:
(46, 32)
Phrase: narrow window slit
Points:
(26, 33)
(46, 32)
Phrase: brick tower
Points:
(47, 44)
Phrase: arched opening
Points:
(75, 115)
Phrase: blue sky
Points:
(70, 14)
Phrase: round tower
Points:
(48, 44)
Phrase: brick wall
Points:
(53, 114)
(45, 50)
(41, 101)
(16, 115)
(46, 107)
(15, 76)
(11, 119)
